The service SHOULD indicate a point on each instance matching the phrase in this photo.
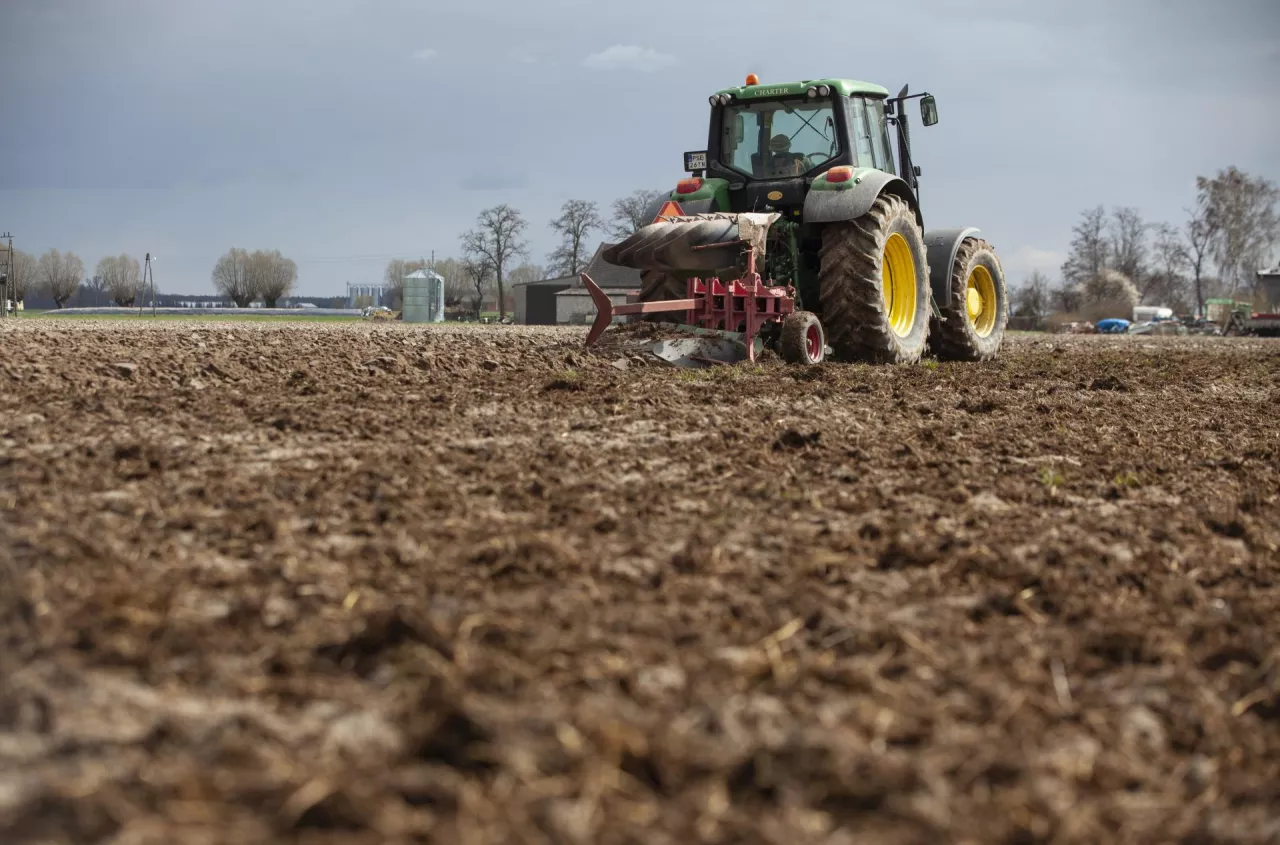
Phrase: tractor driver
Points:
(782, 162)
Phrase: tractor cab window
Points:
(870, 131)
(778, 139)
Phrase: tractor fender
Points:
(941, 247)
(834, 206)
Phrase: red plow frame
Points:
(745, 304)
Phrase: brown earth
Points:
(354, 583)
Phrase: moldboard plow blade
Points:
(699, 243)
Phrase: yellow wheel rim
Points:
(898, 284)
(980, 301)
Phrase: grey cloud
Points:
(630, 57)
(300, 125)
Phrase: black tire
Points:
(802, 340)
(656, 285)
(961, 336)
(851, 283)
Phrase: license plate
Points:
(695, 161)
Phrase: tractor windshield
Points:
(778, 138)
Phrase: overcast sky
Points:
(346, 133)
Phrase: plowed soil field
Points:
(357, 583)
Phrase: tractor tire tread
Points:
(953, 338)
(853, 307)
(655, 285)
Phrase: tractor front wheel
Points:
(975, 316)
(802, 340)
(874, 285)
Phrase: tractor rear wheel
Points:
(874, 285)
(977, 311)
(656, 285)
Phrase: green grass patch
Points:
(1128, 478)
(1051, 478)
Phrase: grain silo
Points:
(423, 297)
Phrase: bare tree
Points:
(1089, 247)
(96, 287)
(1200, 235)
(23, 271)
(1127, 243)
(578, 218)
(1241, 211)
(123, 277)
(1066, 298)
(1032, 298)
(232, 279)
(398, 269)
(60, 275)
(1166, 282)
(526, 272)
(479, 275)
(456, 281)
(630, 212)
(271, 275)
(496, 241)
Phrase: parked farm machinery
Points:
(798, 227)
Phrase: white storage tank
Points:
(1151, 313)
(423, 298)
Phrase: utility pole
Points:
(7, 289)
(142, 300)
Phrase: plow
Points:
(799, 230)
(747, 305)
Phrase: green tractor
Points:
(848, 234)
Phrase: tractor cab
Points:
(768, 144)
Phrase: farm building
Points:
(1269, 287)
(359, 296)
(564, 300)
(536, 301)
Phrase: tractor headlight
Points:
(714, 99)
(824, 90)
(726, 99)
(812, 92)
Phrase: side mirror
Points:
(928, 110)
(739, 128)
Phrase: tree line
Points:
(494, 253)
(117, 279)
(1117, 259)
(245, 277)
